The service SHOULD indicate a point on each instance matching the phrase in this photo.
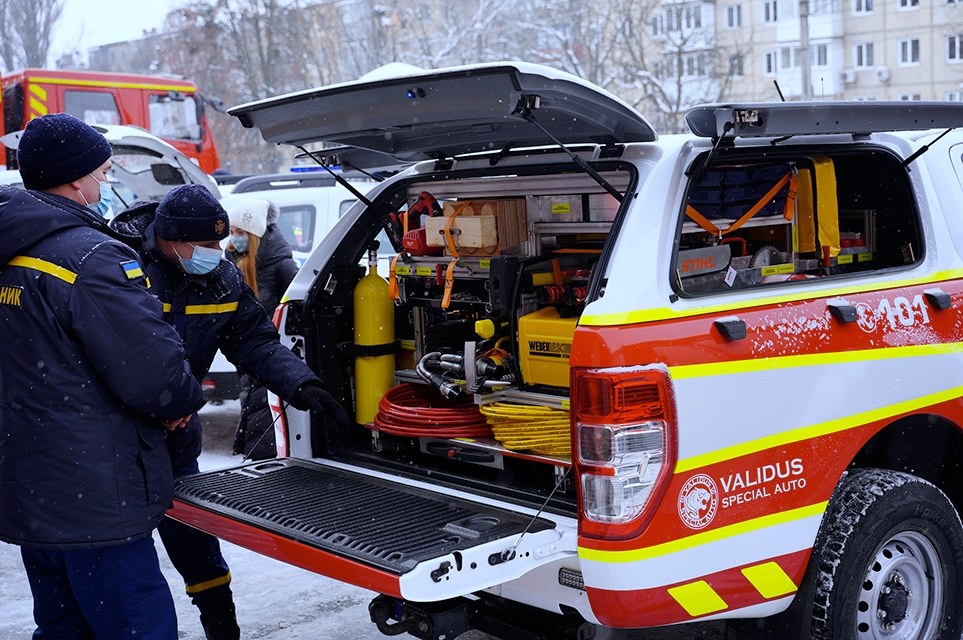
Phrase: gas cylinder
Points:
(374, 335)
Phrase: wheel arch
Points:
(925, 445)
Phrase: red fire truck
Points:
(170, 109)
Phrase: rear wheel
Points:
(890, 562)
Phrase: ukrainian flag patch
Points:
(132, 269)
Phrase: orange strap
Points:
(702, 221)
(557, 272)
(449, 283)
(447, 231)
(756, 208)
(790, 209)
(392, 279)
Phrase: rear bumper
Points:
(221, 386)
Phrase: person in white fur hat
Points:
(259, 250)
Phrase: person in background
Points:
(206, 300)
(259, 250)
(90, 376)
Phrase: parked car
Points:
(617, 380)
(143, 166)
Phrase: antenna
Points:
(779, 91)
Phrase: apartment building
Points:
(858, 49)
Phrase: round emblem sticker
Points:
(698, 501)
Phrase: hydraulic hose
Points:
(417, 411)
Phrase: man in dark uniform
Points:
(206, 299)
(90, 375)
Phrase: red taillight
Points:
(625, 447)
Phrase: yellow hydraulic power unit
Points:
(544, 346)
(374, 335)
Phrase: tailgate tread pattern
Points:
(380, 523)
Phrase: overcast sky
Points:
(86, 24)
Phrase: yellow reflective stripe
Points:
(38, 91)
(817, 430)
(698, 598)
(46, 267)
(805, 293)
(39, 108)
(150, 86)
(769, 580)
(689, 542)
(689, 371)
(210, 584)
(201, 309)
(167, 307)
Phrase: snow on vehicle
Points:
(690, 377)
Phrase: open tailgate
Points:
(407, 540)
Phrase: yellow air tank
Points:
(374, 333)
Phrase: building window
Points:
(954, 96)
(909, 52)
(865, 98)
(823, 7)
(907, 5)
(909, 96)
(656, 24)
(954, 49)
(769, 63)
(820, 55)
(769, 13)
(863, 55)
(735, 65)
(862, 6)
(734, 16)
(789, 57)
(693, 17)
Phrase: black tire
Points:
(893, 543)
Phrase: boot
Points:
(220, 620)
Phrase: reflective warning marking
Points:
(698, 598)
(769, 580)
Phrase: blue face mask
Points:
(202, 261)
(240, 243)
(102, 206)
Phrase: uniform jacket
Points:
(88, 369)
(275, 270)
(210, 312)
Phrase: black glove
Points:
(311, 396)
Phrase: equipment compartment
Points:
(482, 329)
(748, 222)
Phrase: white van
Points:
(311, 202)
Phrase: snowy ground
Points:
(275, 601)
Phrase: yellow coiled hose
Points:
(525, 427)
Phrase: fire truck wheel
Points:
(890, 561)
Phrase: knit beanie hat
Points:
(250, 215)
(59, 148)
(191, 213)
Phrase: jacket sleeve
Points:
(139, 356)
(253, 345)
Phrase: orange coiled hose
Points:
(418, 411)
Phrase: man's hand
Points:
(311, 396)
(180, 423)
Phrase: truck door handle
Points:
(731, 328)
(842, 311)
(938, 298)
